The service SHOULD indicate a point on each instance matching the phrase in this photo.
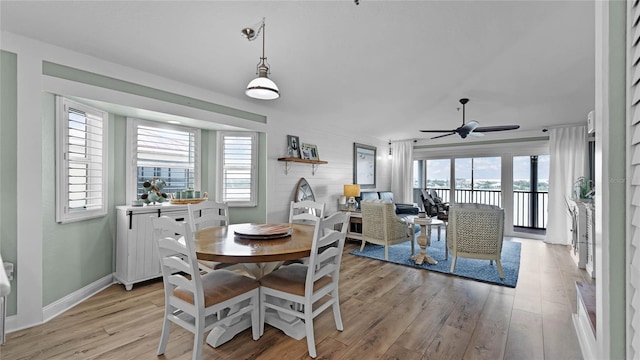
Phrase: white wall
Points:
(334, 146)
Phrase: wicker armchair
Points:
(381, 225)
(476, 231)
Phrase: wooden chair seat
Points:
(218, 286)
(291, 279)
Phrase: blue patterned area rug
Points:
(479, 270)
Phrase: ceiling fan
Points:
(471, 128)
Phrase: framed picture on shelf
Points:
(364, 165)
(310, 152)
(293, 146)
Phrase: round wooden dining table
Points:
(258, 257)
(222, 244)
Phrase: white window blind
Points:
(167, 152)
(237, 170)
(82, 161)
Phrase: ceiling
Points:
(384, 69)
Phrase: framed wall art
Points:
(310, 151)
(364, 165)
(293, 146)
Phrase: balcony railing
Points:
(530, 208)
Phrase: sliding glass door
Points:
(478, 180)
(530, 191)
(517, 183)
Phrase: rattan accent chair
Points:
(381, 225)
(476, 231)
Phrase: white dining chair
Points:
(295, 289)
(197, 302)
(204, 214)
(208, 213)
(305, 212)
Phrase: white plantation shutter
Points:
(633, 156)
(82, 161)
(163, 151)
(166, 153)
(237, 173)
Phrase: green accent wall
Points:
(75, 254)
(9, 166)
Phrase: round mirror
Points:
(303, 191)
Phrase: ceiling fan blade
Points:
(475, 134)
(439, 136)
(437, 131)
(496, 128)
(470, 126)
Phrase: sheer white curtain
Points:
(567, 150)
(402, 171)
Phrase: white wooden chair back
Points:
(179, 264)
(208, 213)
(327, 261)
(306, 211)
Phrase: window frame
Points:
(63, 215)
(253, 202)
(131, 171)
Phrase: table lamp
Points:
(351, 191)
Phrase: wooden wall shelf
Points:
(314, 163)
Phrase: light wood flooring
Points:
(389, 312)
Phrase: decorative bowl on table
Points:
(263, 231)
(173, 200)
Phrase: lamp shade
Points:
(262, 88)
(352, 190)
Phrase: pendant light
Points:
(261, 87)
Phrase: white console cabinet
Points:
(136, 254)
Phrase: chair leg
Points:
(363, 244)
(164, 338)
(336, 310)
(308, 325)
(198, 339)
(499, 264)
(453, 263)
(386, 252)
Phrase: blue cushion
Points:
(369, 195)
(386, 195)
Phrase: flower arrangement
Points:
(154, 191)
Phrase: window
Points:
(167, 152)
(81, 167)
(438, 174)
(237, 168)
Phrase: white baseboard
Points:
(60, 306)
(585, 335)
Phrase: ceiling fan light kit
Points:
(261, 87)
(471, 128)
